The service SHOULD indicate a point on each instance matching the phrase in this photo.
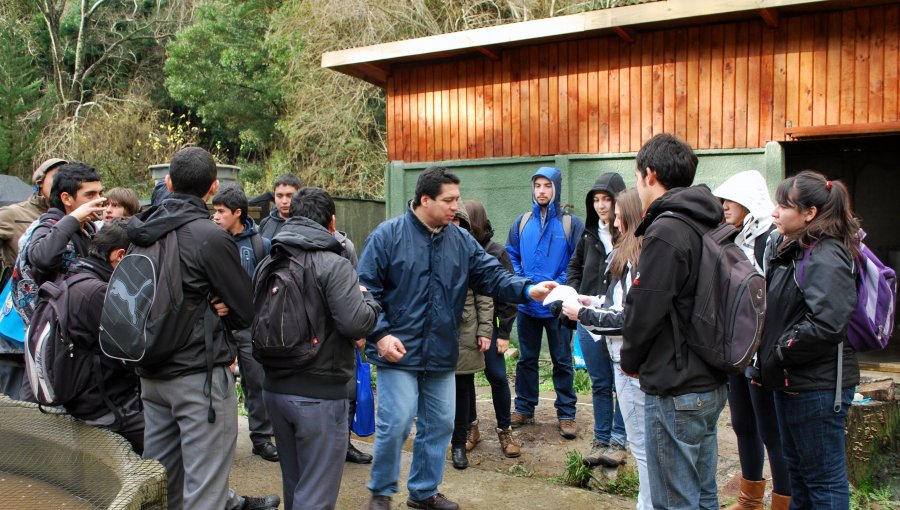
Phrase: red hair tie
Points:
(828, 185)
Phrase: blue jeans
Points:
(608, 426)
(812, 436)
(633, 400)
(531, 331)
(682, 449)
(403, 395)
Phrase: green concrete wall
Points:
(504, 185)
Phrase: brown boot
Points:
(473, 437)
(751, 497)
(780, 502)
(508, 443)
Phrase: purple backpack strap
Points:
(801, 264)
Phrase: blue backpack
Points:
(872, 321)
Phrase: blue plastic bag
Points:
(12, 328)
(364, 420)
(577, 354)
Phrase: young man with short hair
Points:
(684, 396)
(60, 235)
(419, 267)
(189, 411)
(284, 189)
(540, 247)
(309, 405)
(230, 208)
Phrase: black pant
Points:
(465, 399)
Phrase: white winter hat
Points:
(749, 189)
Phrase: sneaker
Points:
(508, 443)
(567, 428)
(267, 451)
(436, 502)
(380, 503)
(262, 503)
(597, 449)
(613, 455)
(519, 419)
(473, 437)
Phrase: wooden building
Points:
(772, 85)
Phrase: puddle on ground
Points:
(24, 493)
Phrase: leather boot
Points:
(473, 437)
(780, 502)
(508, 443)
(751, 497)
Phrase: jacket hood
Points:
(696, 202)
(611, 183)
(555, 176)
(93, 264)
(748, 189)
(172, 213)
(463, 218)
(273, 215)
(250, 229)
(305, 234)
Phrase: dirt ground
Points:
(492, 481)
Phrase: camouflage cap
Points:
(38, 176)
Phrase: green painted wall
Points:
(504, 185)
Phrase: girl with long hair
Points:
(604, 315)
(803, 355)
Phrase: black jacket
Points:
(85, 307)
(585, 271)
(665, 280)
(53, 248)
(352, 315)
(803, 327)
(210, 266)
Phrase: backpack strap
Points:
(208, 320)
(840, 375)
(98, 379)
(258, 251)
(566, 225)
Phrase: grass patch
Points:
(870, 498)
(577, 473)
(626, 483)
(242, 411)
(582, 382)
(518, 470)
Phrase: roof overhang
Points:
(373, 63)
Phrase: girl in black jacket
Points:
(803, 356)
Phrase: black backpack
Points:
(729, 302)
(58, 369)
(142, 319)
(290, 310)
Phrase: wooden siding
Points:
(731, 85)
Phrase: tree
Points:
(222, 68)
(24, 106)
(93, 43)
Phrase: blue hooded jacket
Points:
(244, 242)
(420, 279)
(543, 252)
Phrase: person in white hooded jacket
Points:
(745, 198)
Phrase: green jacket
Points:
(477, 320)
(14, 221)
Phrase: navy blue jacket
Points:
(421, 279)
(543, 252)
(244, 242)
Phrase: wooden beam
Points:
(684, 11)
(627, 34)
(489, 53)
(769, 17)
(873, 128)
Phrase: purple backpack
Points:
(872, 322)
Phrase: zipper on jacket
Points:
(786, 382)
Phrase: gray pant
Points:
(312, 443)
(13, 381)
(252, 376)
(197, 454)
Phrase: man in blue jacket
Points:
(540, 244)
(418, 267)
